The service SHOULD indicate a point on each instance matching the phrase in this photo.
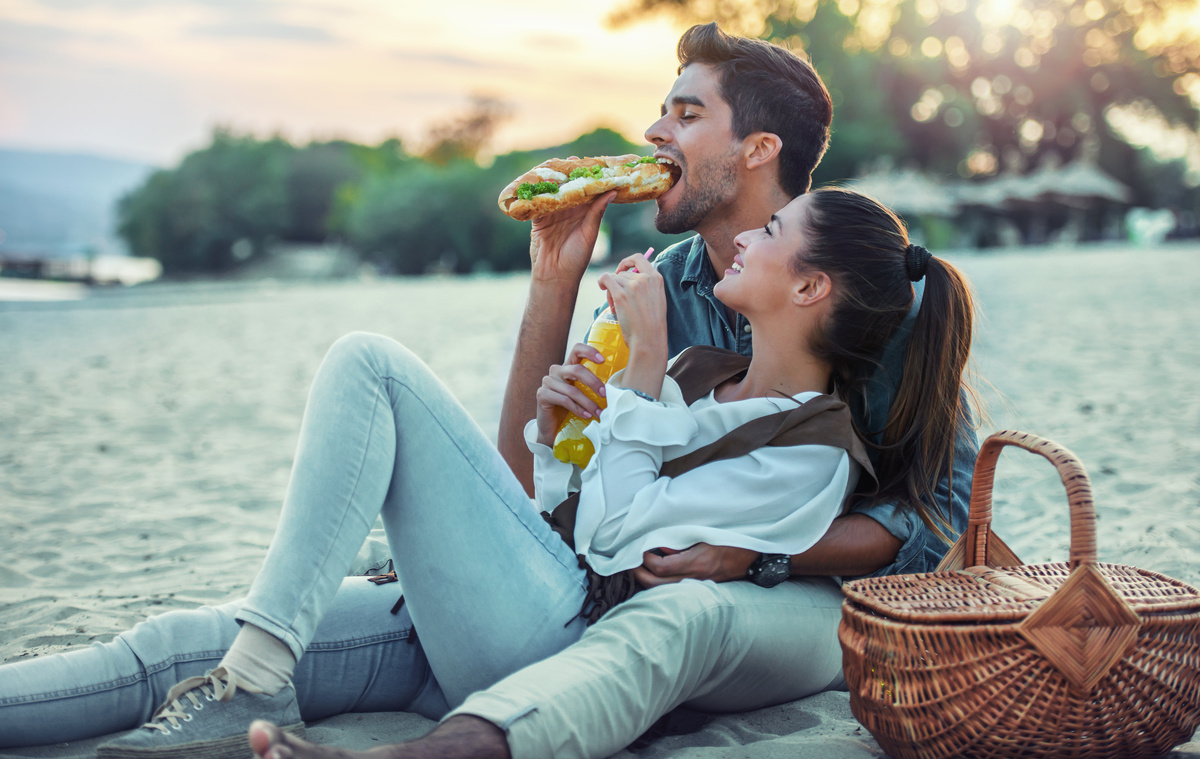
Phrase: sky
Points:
(148, 79)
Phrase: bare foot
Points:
(461, 737)
(269, 742)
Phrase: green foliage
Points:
(424, 216)
(223, 204)
(189, 218)
(314, 175)
(973, 87)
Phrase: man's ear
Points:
(811, 289)
(760, 148)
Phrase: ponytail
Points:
(930, 405)
(864, 249)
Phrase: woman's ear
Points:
(760, 148)
(811, 289)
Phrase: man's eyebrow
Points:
(686, 100)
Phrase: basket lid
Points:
(1008, 594)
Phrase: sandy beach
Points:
(149, 432)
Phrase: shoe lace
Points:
(216, 685)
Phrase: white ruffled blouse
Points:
(776, 499)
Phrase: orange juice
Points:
(570, 445)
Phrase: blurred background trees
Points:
(228, 203)
(973, 89)
(973, 86)
(1032, 117)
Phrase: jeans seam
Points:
(114, 684)
(571, 568)
(361, 642)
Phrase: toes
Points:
(262, 735)
(280, 751)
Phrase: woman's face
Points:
(762, 278)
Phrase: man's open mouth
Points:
(676, 171)
(676, 174)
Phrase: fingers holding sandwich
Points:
(561, 243)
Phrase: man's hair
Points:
(770, 89)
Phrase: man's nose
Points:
(656, 133)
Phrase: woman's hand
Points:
(635, 291)
(559, 395)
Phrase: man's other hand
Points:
(700, 562)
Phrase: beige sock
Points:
(260, 660)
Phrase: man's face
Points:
(696, 132)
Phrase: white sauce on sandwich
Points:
(550, 175)
(577, 184)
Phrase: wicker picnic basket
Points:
(988, 657)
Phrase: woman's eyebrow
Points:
(775, 220)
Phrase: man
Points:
(746, 122)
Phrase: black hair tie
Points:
(916, 261)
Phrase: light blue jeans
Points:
(488, 586)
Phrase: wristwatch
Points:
(770, 569)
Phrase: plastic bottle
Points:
(571, 445)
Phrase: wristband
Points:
(644, 396)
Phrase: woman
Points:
(824, 286)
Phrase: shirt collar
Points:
(698, 269)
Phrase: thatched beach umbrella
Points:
(1079, 183)
(907, 192)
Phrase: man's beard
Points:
(716, 181)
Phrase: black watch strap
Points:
(770, 569)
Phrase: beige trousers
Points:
(724, 647)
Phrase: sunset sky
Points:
(147, 80)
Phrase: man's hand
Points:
(700, 562)
(561, 244)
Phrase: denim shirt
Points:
(696, 317)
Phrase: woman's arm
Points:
(639, 300)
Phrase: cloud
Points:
(28, 43)
(425, 58)
(135, 5)
(429, 96)
(547, 41)
(270, 30)
(445, 59)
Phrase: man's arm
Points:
(560, 248)
(854, 545)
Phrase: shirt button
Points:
(746, 329)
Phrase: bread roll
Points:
(633, 177)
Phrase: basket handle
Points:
(1074, 477)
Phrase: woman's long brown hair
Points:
(863, 247)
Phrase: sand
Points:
(149, 433)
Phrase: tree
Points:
(231, 193)
(315, 173)
(973, 87)
(464, 136)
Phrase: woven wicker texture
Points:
(1075, 659)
